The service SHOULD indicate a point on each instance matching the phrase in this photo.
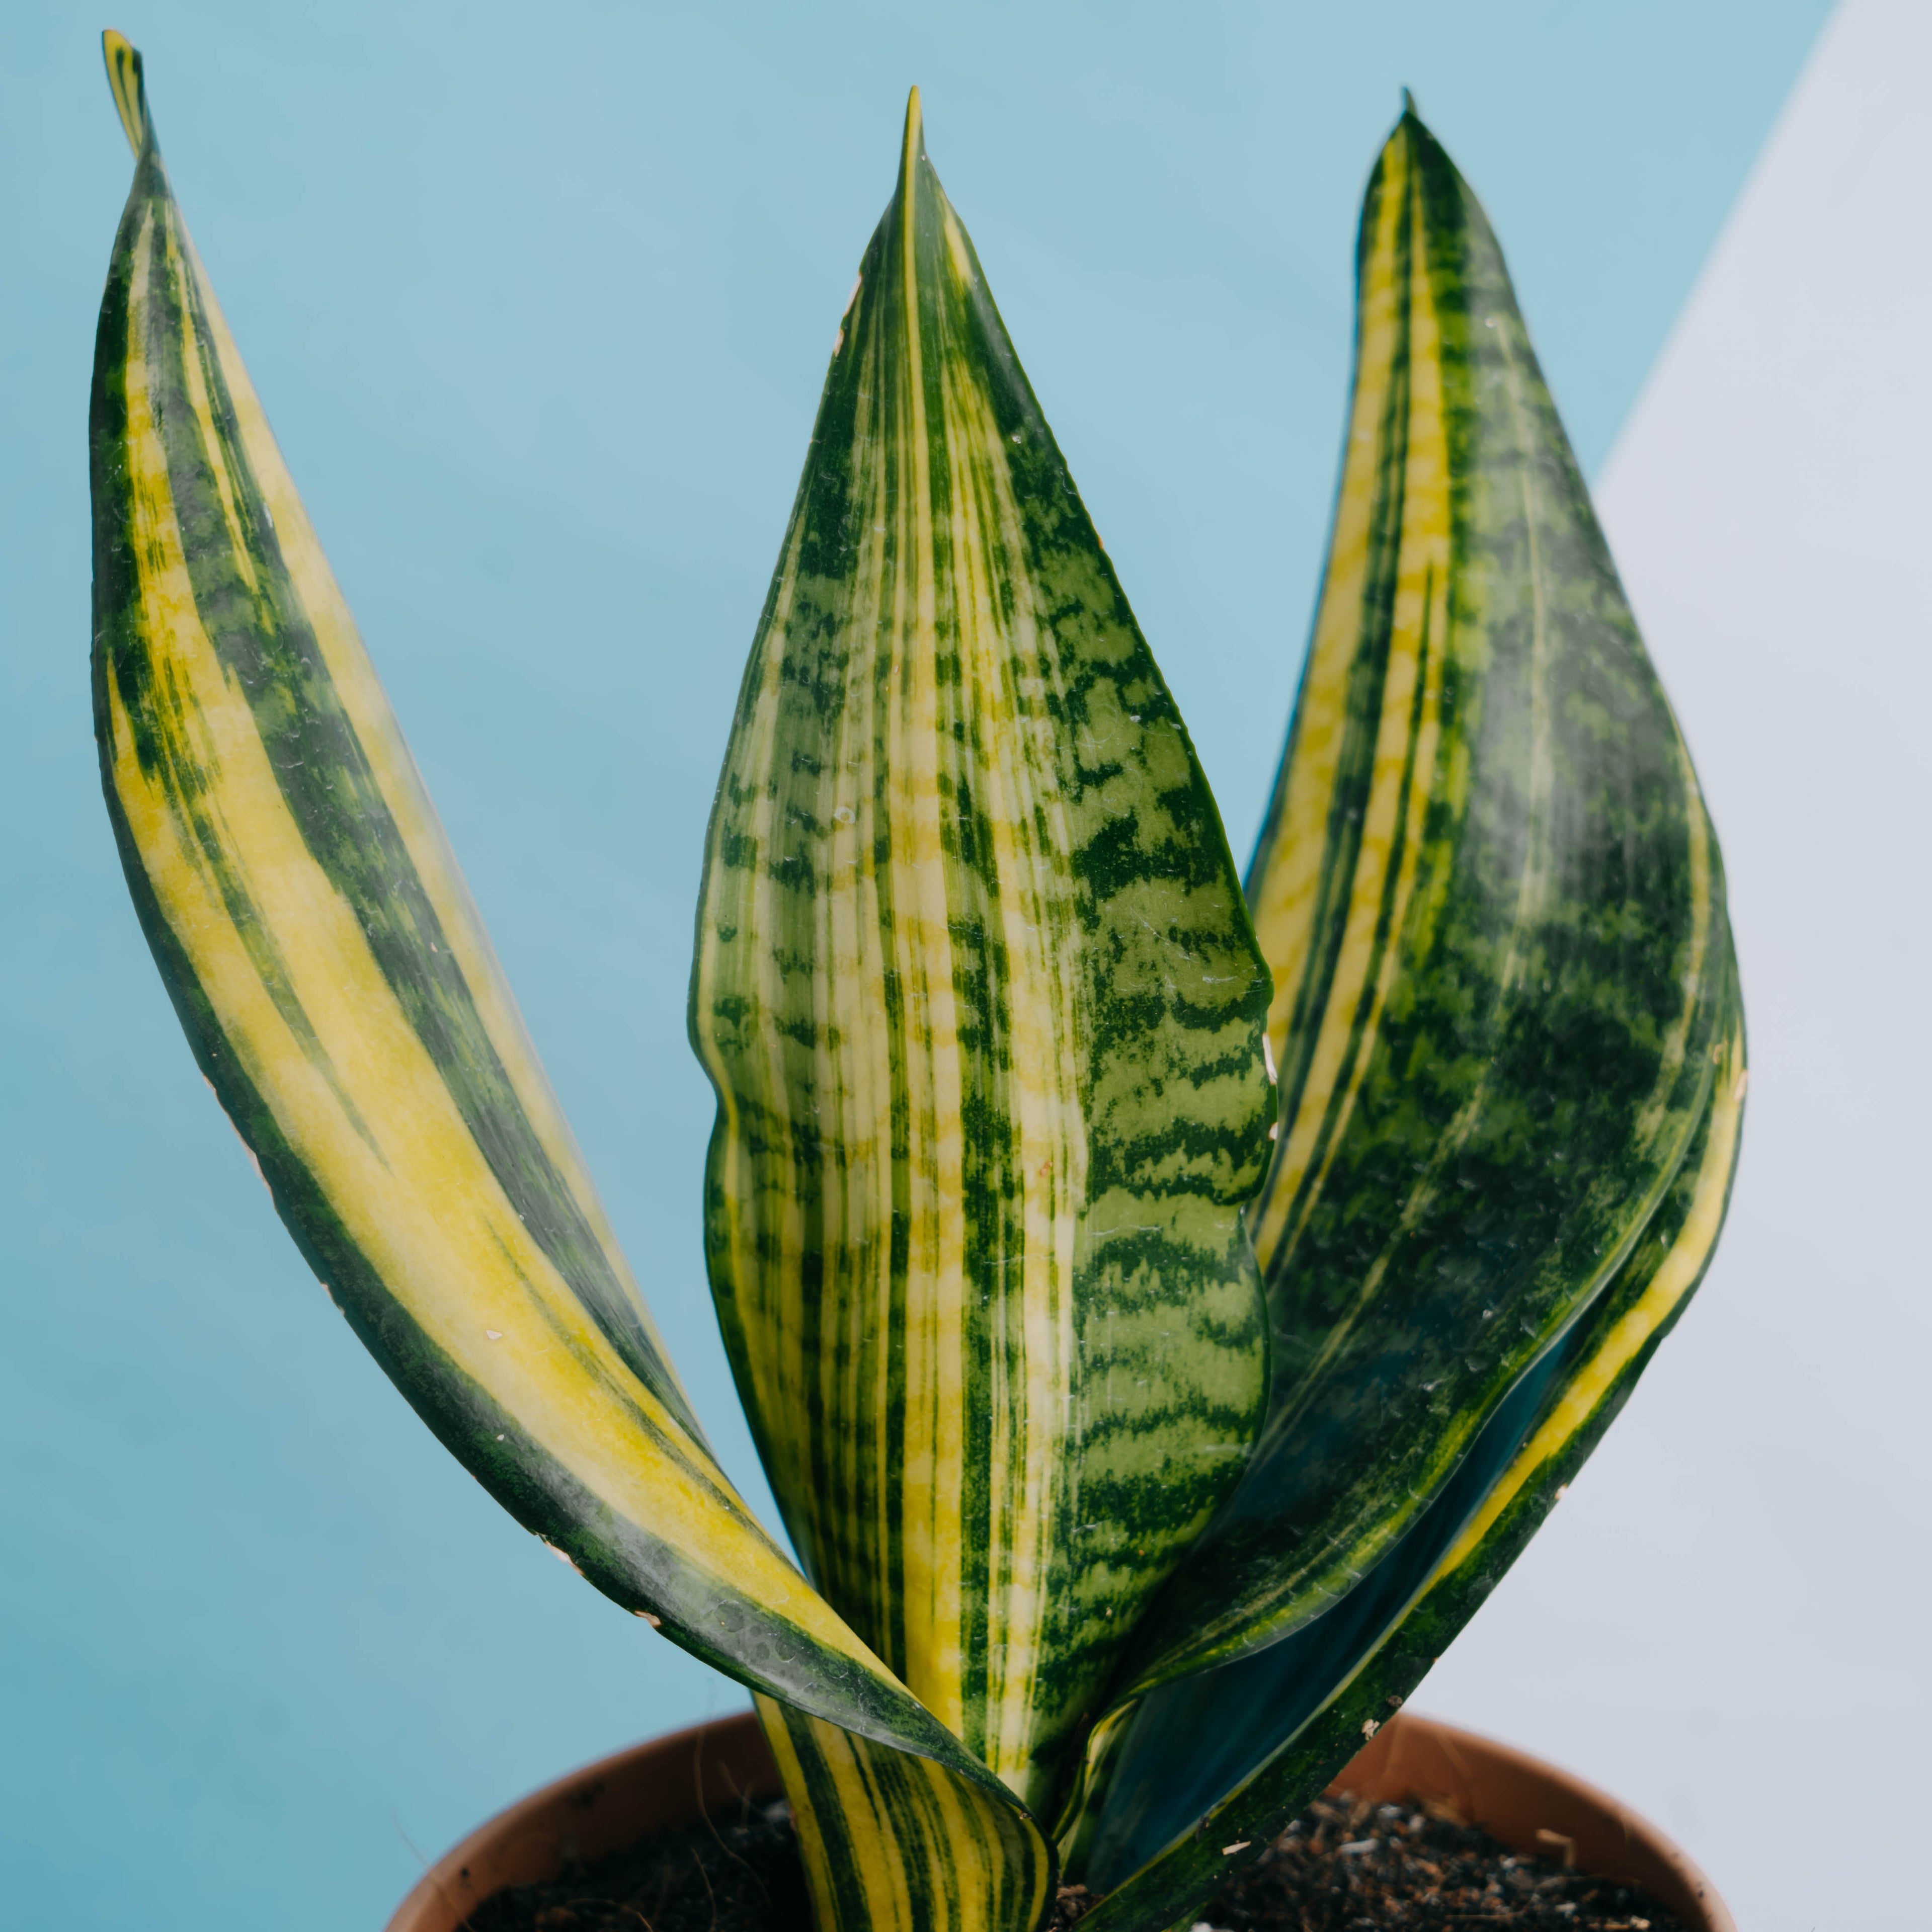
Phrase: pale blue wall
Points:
(540, 311)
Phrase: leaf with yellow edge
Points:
(1232, 1754)
(1511, 1051)
(977, 989)
(1493, 908)
(340, 995)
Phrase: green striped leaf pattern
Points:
(990, 1030)
(340, 994)
(1506, 1020)
(1493, 908)
(1229, 1755)
(896, 1843)
(976, 986)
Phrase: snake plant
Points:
(1165, 1302)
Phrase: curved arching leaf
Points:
(339, 995)
(1493, 908)
(977, 989)
(1226, 1756)
(1511, 1054)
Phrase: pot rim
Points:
(675, 1778)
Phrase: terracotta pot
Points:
(672, 1780)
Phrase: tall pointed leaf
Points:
(340, 996)
(977, 990)
(1511, 1050)
(1493, 908)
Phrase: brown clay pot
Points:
(1529, 1805)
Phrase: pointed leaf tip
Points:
(130, 90)
(1408, 106)
(912, 150)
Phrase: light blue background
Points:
(539, 304)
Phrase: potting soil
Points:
(1341, 1866)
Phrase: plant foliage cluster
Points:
(1164, 1301)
